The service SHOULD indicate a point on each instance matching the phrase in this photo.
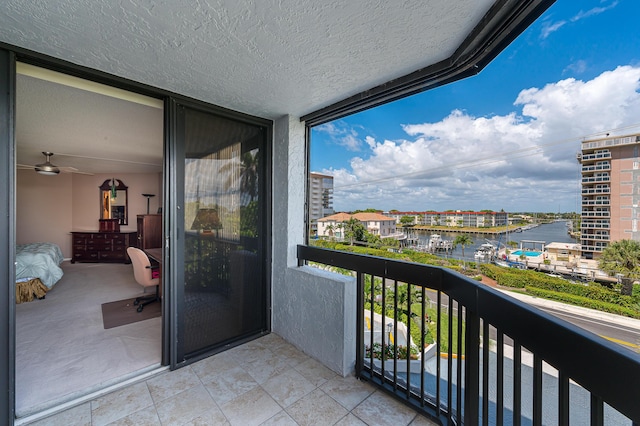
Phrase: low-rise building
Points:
(457, 218)
(374, 223)
(563, 252)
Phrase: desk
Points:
(156, 254)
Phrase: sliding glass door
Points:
(221, 217)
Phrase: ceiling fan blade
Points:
(69, 169)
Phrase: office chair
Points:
(143, 273)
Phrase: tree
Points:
(339, 227)
(407, 221)
(329, 229)
(248, 174)
(354, 230)
(622, 257)
(463, 240)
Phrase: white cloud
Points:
(577, 67)
(524, 160)
(550, 27)
(593, 11)
(342, 135)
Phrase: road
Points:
(621, 334)
(626, 336)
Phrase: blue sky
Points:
(504, 139)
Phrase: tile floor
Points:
(264, 382)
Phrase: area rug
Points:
(122, 312)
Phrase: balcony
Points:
(596, 191)
(496, 367)
(594, 237)
(595, 214)
(596, 202)
(593, 157)
(265, 380)
(593, 179)
(594, 168)
(584, 225)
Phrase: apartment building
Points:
(455, 218)
(375, 223)
(610, 192)
(320, 198)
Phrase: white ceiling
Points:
(87, 126)
(262, 57)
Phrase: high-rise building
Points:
(320, 198)
(610, 192)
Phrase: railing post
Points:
(360, 323)
(472, 368)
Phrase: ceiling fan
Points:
(49, 169)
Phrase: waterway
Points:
(547, 233)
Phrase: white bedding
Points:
(39, 260)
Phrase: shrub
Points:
(584, 302)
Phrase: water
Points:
(551, 232)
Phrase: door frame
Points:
(174, 224)
(9, 55)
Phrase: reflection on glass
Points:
(224, 294)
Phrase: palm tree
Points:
(329, 229)
(463, 240)
(622, 257)
(249, 174)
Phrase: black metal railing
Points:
(493, 360)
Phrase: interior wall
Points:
(49, 207)
(44, 209)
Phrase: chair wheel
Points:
(135, 302)
(140, 308)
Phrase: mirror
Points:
(113, 201)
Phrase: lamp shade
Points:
(206, 220)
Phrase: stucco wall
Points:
(312, 309)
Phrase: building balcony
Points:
(594, 237)
(610, 142)
(265, 380)
(593, 157)
(586, 191)
(480, 342)
(595, 168)
(596, 202)
(595, 214)
(594, 249)
(588, 225)
(594, 179)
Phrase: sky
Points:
(505, 139)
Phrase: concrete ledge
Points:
(315, 310)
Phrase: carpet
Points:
(122, 312)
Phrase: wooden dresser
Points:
(103, 247)
(149, 231)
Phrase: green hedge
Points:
(516, 278)
(591, 291)
(584, 302)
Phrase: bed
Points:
(37, 270)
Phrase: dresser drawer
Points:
(102, 246)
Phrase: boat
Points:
(485, 251)
(436, 243)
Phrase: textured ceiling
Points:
(266, 57)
